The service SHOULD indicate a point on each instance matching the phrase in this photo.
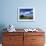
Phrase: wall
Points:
(9, 13)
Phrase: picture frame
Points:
(26, 14)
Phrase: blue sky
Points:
(26, 12)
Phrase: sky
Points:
(26, 12)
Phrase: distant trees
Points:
(21, 16)
(25, 17)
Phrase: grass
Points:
(26, 17)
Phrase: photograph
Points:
(25, 14)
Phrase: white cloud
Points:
(25, 13)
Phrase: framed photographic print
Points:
(26, 14)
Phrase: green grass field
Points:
(26, 17)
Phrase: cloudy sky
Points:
(26, 12)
